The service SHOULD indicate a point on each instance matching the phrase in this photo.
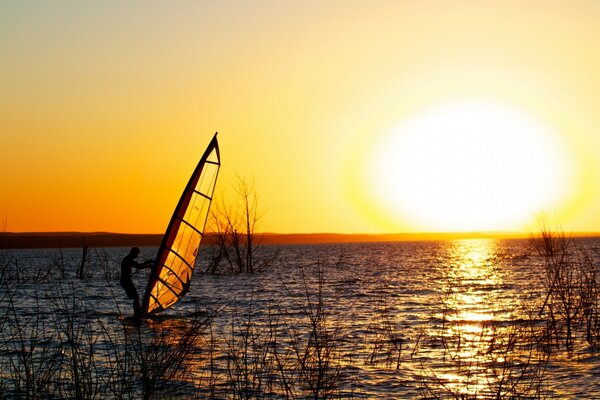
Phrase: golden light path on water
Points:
(472, 303)
(474, 265)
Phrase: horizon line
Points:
(70, 239)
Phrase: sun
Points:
(467, 166)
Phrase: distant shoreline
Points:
(31, 240)
(45, 240)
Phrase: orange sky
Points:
(106, 107)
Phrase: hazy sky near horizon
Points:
(348, 116)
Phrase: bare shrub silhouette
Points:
(237, 244)
(571, 304)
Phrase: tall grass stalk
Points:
(571, 305)
(78, 345)
(163, 355)
(483, 360)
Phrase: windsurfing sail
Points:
(174, 265)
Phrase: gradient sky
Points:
(105, 107)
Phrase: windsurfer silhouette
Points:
(127, 266)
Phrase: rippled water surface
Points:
(393, 320)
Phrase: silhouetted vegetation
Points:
(484, 360)
(571, 305)
(69, 352)
(84, 253)
(59, 346)
(237, 245)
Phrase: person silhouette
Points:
(127, 266)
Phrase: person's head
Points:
(134, 252)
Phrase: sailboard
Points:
(171, 273)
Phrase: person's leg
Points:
(137, 309)
(133, 294)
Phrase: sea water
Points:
(439, 319)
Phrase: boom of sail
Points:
(174, 265)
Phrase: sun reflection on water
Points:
(472, 304)
(472, 280)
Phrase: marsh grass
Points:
(317, 341)
(267, 350)
(483, 360)
(271, 351)
(62, 348)
(387, 343)
(163, 356)
(247, 350)
(29, 356)
(571, 305)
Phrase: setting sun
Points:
(468, 166)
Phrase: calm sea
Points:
(375, 320)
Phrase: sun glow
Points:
(468, 166)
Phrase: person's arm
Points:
(144, 265)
